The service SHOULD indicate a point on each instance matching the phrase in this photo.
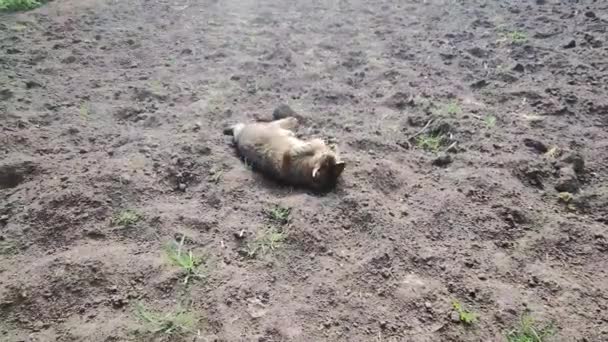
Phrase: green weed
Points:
(279, 214)
(183, 259)
(450, 108)
(177, 322)
(514, 37)
(267, 240)
(19, 5)
(554, 152)
(490, 121)
(85, 111)
(466, 317)
(7, 248)
(528, 331)
(215, 176)
(126, 218)
(429, 142)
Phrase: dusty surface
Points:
(111, 105)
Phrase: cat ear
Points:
(315, 172)
(338, 168)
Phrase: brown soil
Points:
(114, 105)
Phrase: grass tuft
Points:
(450, 108)
(430, 142)
(490, 121)
(19, 5)
(514, 37)
(465, 316)
(177, 322)
(126, 218)
(7, 248)
(279, 214)
(267, 240)
(528, 331)
(183, 259)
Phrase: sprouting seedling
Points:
(450, 108)
(268, 240)
(176, 322)
(215, 176)
(126, 218)
(279, 214)
(185, 260)
(515, 37)
(18, 5)
(465, 316)
(528, 331)
(554, 152)
(84, 110)
(490, 121)
(429, 142)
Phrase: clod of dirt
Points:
(5, 94)
(126, 113)
(399, 101)
(14, 171)
(69, 60)
(479, 84)
(570, 45)
(256, 308)
(478, 52)
(532, 174)
(283, 111)
(594, 202)
(32, 84)
(442, 160)
(519, 67)
(574, 159)
(441, 128)
(536, 145)
(567, 182)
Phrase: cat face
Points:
(327, 169)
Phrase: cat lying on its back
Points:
(273, 148)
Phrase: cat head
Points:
(326, 170)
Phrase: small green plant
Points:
(528, 331)
(85, 111)
(430, 142)
(7, 248)
(514, 37)
(18, 5)
(453, 108)
(554, 152)
(490, 121)
(567, 199)
(215, 176)
(183, 259)
(465, 316)
(450, 108)
(279, 214)
(267, 240)
(126, 218)
(177, 322)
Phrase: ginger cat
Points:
(273, 148)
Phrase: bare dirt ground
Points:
(500, 203)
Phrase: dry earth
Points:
(500, 203)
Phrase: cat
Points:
(272, 148)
